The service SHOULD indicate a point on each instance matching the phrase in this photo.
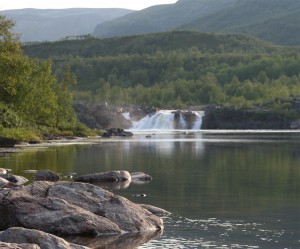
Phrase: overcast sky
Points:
(62, 4)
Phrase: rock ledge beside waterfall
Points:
(211, 117)
(107, 117)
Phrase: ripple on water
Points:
(182, 232)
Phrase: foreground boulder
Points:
(72, 208)
(34, 239)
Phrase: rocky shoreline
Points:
(42, 214)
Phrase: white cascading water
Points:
(164, 120)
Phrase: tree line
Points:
(184, 78)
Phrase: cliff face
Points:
(229, 118)
(280, 114)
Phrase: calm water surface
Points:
(224, 190)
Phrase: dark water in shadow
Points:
(239, 190)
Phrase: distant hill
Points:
(160, 18)
(277, 21)
(151, 43)
(55, 24)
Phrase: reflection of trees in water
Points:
(237, 177)
(58, 159)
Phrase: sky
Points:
(62, 4)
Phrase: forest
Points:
(176, 69)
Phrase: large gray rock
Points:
(128, 216)
(4, 183)
(140, 177)
(3, 171)
(34, 239)
(110, 176)
(46, 175)
(17, 180)
(70, 208)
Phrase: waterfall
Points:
(167, 120)
(198, 122)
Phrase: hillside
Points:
(160, 18)
(151, 43)
(55, 24)
(276, 21)
(272, 20)
(176, 69)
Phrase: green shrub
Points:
(9, 118)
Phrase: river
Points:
(238, 189)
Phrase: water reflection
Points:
(126, 241)
(167, 143)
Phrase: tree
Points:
(65, 114)
(36, 100)
(14, 67)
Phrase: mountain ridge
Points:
(253, 17)
(36, 25)
(152, 43)
(159, 18)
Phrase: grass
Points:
(25, 134)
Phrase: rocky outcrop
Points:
(117, 132)
(101, 116)
(33, 239)
(105, 116)
(295, 124)
(279, 114)
(72, 208)
(188, 117)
